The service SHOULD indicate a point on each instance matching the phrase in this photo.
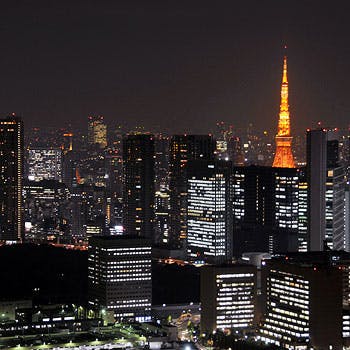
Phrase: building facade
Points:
(119, 276)
(161, 224)
(228, 297)
(326, 191)
(11, 177)
(138, 193)
(302, 311)
(316, 155)
(209, 211)
(47, 211)
(265, 209)
(97, 131)
(184, 148)
(302, 211)
(335, 201)
(45, 164)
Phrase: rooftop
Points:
(314, 258)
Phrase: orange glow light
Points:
(284, 156)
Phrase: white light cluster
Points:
(121, 277)
(235, 300)
(206, 217)
(287, 319)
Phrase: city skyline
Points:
(173, 67)
(174, 175)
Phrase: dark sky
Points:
(174, 65)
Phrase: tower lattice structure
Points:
(284, 156)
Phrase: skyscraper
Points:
(302, 211)
(209, 211)
(97, 131)
(228, 297)
(284, 156)
(335, 195)
(161, 146)
(304, 301)
(316, 155)
(11, 173)
(161, 222)
(138, 194)
(335, 202)
(45, 164)
(47, 211)
(119, 276)
(265, 209)
(326, 191)
(184, 148)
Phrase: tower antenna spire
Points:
(284, 77)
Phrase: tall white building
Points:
(286, 199)
(119, 274)
(326, 191)
(45, 164)
(302, 212)
(209, 211)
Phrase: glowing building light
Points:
(284, 156)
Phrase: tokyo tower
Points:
(284, 156)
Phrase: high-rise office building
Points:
(347, 218)
(119, 276)
(335, 194)
(284, 156)
(11, 174)
(326, 183)
(97, 131)
(138, 162)
(302, 211)
(335, 205)
(265, 209)
(45, 164)
(304, 305)
(228, 297)
(47, 211)
(161, 222)
(89, 205)
(161, 162)
(316, 155)
(70, 166)
(184, 148)
(209, 211)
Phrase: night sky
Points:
(174, 65)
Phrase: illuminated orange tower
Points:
(284, 156)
